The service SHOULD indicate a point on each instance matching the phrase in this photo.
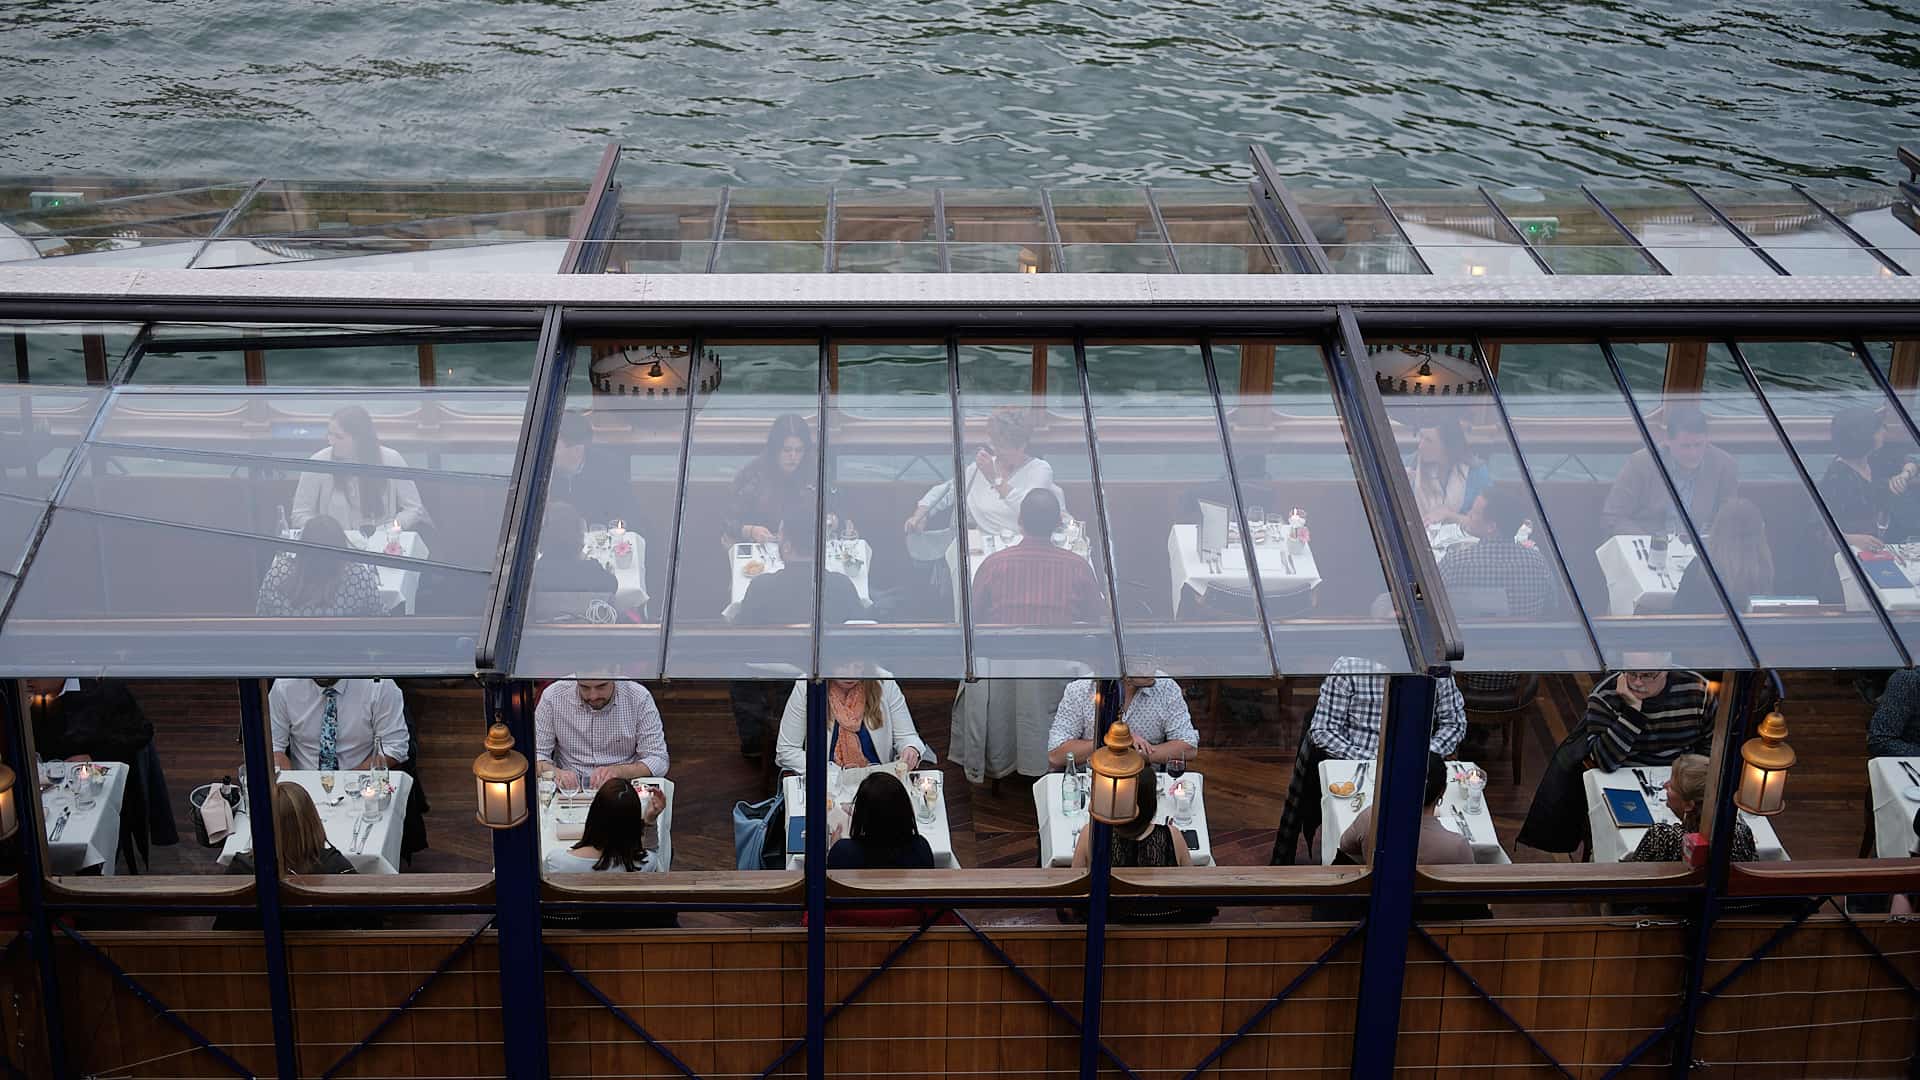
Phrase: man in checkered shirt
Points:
(598, 730)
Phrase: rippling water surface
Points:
(921, 92)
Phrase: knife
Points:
(60, 825)
(1911, 774)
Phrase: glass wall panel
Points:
(1573, 442)
(1020, 456)
(1214, 232)
(774, 231)
(744, 600)
(1681, 233)
(63, 353)
(1109, 230)
(1717, 443)
(40, 430)
(1458, 234)
(1292, 456)
(885, 232)
(890, 459)
(184, 354)
(1882, 217)
(664, 230)
(1496, 564)
(85, 221)
(1356, 231)
(997, 231)
(1185, 595)
(615, 482)
(1794, 232)
(1571, 233)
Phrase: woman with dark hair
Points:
(1446, 476)
(614, 835)
(1145, 841)
(1848, 488)
(1741, 555)
(769, 485)
(310, 582)
(883, 835)
(356, 499)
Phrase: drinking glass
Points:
(1176, 767)
(1276, 521)
(1256, 519)
(1183, 797)
(326, 781)
(568, 783)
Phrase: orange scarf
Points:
(848, 707)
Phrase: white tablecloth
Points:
(1633, 582)
(1059, 832)
(1337, 812)
(557, 812)
(1612, 843)
(91, 835)
(939, 835)
(1893, 809)
(838, 552)
(379, 851)
(1893, 599)
(632, 576)
(397, 587)
(1282, 572)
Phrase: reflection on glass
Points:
(1291, 456)
(39, 431)
(664, 230)
(1109, 230)
(1214, 234)
(334, 356)
(62, 353)
(1357, 233)
(1575, 442)
(1792, 230)
(1570, 233)
(885, 232)
(997, 231)
(773, 231)
(1681, 233)
(1718, 444)
(98, 222)
(1459, 235)
(1495, 561)
(1882, 217)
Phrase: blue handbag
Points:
(753, 822)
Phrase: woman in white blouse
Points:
(353, 499)
(996, 480)
(868, 720)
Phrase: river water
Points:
(954, 92)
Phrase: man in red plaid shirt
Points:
(1035, 583)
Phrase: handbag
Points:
(753, 822)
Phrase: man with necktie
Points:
(337, 723)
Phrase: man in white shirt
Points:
(596, 730)
(337, 723)
(1155, 712)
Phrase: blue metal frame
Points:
(1275, 1001)
(266, 873)
(516, 887)
(1099, 886)
(815, 842)
(161, 1009)
(407, 1003)
(33, 884)
(1481, 991)
(619, 1014)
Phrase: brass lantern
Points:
(501, 776)
(1763, 768)
(9, 810)
(1116, 771)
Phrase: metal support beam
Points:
(33, 885)
(1303, 248)
(1539, 260)
(1099, 885)
(266, 872)
(1100, 502)
(1399, 229)
(1740, 233)
(593, 222)
(1397, 807)
(815, 872)
(516, 887)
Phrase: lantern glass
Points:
(1116, 799)
(1762, 790)
(503, 803)
(9, 813)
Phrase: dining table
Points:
(563, 818)
(1060, 828)
(1286, 567)
(1904, 563)
(1611, 843)
(1637, 581)
(1454, 811)
(397, 586)
(373, 847)
(842, 784)
(80, 838)
(747, 561)
(1894, 786)
(623, 553)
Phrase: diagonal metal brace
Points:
(1275, 1002)
(1058, 1009)
(1892, 968)
(159, 1007)
(1474, 984)
(621, 1015)
(893, 957)
(387, 1021)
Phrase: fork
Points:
(1359, 782)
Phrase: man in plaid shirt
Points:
(1034, 583)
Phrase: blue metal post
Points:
(1099, 884)
(1397, 800)
(32, 885)
(816, 872)
(266, 874)
(516, 886)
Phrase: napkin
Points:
(216, 815)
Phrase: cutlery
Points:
(1359, 781)
(1911, 773)
(60, 825)
(1642, 777)
(1460, 819)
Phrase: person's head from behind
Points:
(1855, 433)
(1443, 445)
(570, 446)
(315, 570)
(1686, 437)
(563, 532)
(1039, 514)
(1497, 514)
(297, 831)
(350, 435)
(1146, 789)
(789, 445)
(1741, 554)
(799, 535)
(882, 814)
(1687, 789)
(617, 826)
(1436, 780)
(1010, 436)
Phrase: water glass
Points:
(1183, 800)
(1256, 520)
(1475, 781)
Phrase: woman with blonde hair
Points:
(867, 720)
(1742, 556)
(1686, 797)
(997, 480)
(299, 837)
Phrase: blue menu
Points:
(796, 833)
(1629, 808)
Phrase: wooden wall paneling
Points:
(1887, 1041)
(1728, 944)
(443, 1023)
(1315, 1026)
(1836, 1006)
(1195, 982)
(1568, 978)
(1523, 981)
(1055, 963)
(853, 1035)
(913, 1034)
(1249, 977)
(1637, 982)
(144, 1037)
(793, 984)
(1465, 1018)
(679, 1000)
(1773, 1014)
(747, 1005)
(238, 1015)
(570, 1013)
(977, 1039)
(1420, 1012)
(615, 967)
(1133, 1012)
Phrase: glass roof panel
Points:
(1570, 232)
(1290, 451)
(40, 428)
(890, 451)
(774, 230)
(1214, 231)
(480, 227)
(19, 520)
(93, 221)
(1356, 231)
(1793, 231)
(664, 230)
(1459, 235)
(1496, 562)
(1109, 230)
(1018, 446)
(1164, 474)
(751, 498)
(1681, 233)
(1798, 619)
(336, 356)
(597, 595)
(888, 232)
(1882, 217)
(1576, 432)
(64, 353)
(997, 231)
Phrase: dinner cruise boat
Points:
(1280, 629)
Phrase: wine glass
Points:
(1256, 519)
(326, 781)
(1176, 767)
(569, 783)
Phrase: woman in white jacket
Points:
(869, 723)
(355, 499)
(996, 481)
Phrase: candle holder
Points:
(929, 788)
